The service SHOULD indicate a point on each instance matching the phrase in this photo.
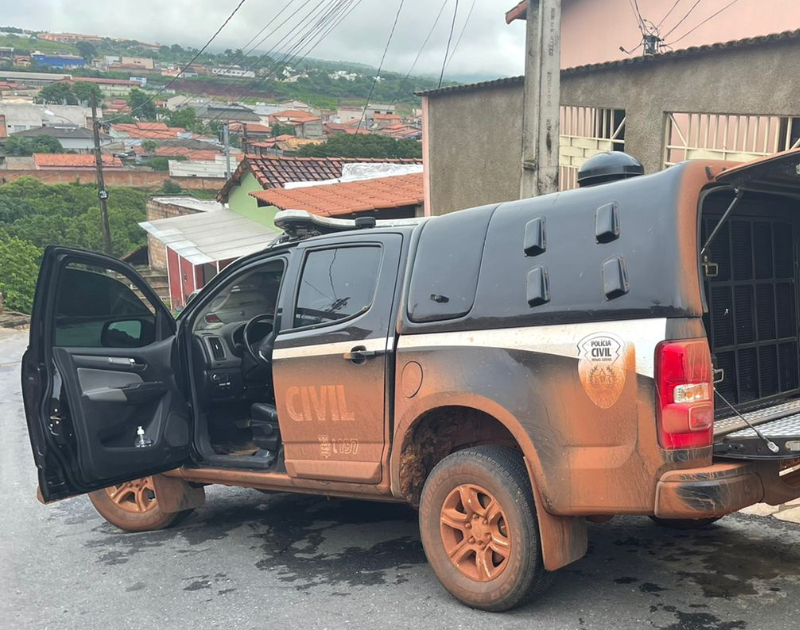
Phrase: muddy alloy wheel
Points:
(133, 506)
(479, 531)
(475, 532)
(135, 496)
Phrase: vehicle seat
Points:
(266, 431)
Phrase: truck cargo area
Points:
(750, 278)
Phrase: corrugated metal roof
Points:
(784, 37)
(211, 236)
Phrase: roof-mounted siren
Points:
(609, 166)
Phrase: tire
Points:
(685, 523)
(506, 570)
(133, 507)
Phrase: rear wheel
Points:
(133, 506)
(685, 523)
(478, 528)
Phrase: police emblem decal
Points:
(603, 359)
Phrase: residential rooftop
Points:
(330, 200)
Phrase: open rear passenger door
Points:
(101, 379)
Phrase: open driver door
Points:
(101, 379)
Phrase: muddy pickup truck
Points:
(513, 370)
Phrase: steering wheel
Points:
(261, 351)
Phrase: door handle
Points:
(360, 354)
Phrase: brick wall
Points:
(132, 178)
(156, 252)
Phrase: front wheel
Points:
(133, 506)
(478, 528)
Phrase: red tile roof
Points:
(519, 12)
(292, 113)
(387, 117)
(274, 172)
(346, 198)
(68, 160)
(148, 130)
(250, 128)
(189, 154)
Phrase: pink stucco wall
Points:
(593, 30)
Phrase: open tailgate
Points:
(779, 173)
(779, 423)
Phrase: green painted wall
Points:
(240, 201)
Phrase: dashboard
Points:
(227, 367)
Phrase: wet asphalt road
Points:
(248, 560)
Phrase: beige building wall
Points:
(593, 30)
(474, 135)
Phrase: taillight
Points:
(212, 318)
(685, 394)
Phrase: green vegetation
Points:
(279, 129)
(58, 93)
(371, 146)
(86, 50)
(34, 215)
(19, 262)
(22, 145)
(142, 104)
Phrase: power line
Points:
(683, 19)
(199, 52)
(380, 65)
(461, 34)
(447, 49)
(243, 54)
(634, 4)
(273, 63)
(664, 19)
(730, 4)
(419, 53)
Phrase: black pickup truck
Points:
(513, 370)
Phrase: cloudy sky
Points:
(489, 46)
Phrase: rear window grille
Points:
(752, 318)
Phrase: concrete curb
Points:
(789, 512)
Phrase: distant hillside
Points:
(318, 88)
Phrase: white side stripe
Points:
(377, 345)
(561, 339)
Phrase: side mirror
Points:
(127, 333)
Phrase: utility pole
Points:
(227, 142)
(102, 193)
(542, 99)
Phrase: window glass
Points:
(91, 300)
(245, 297)
(336, 284)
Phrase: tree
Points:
(19, 261)
(59, 93)
(86, 50)
(23, 145)
(149, 146)
(363, 146)
(176, 49)
(141, 105)
(171, 188)
(160, 164)
(186, 118)
(84, 91)
(279, 129)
